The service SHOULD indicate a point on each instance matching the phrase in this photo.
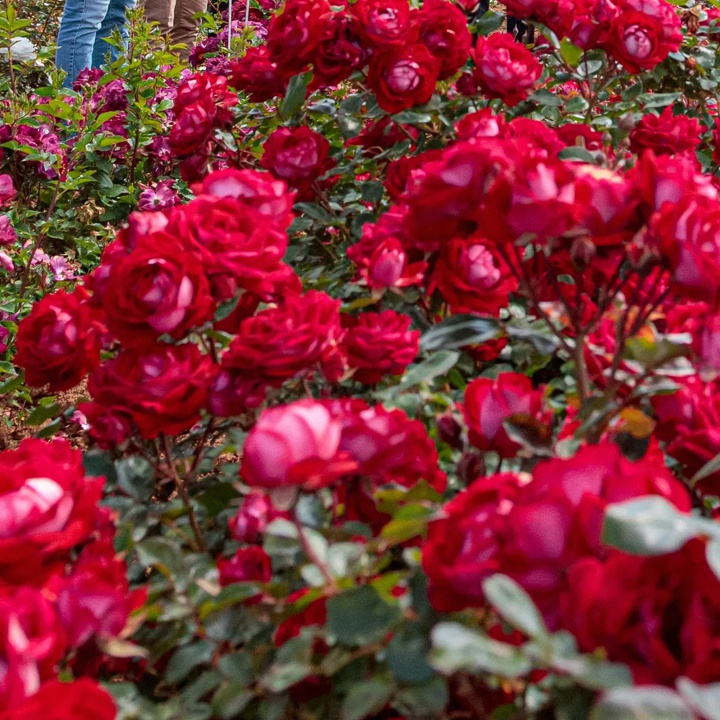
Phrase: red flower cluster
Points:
(55, 602)
(544, 531)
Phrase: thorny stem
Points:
(199, 450)
(184, 496)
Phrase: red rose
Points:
(659, 615)
(299, 156)
(665, 134)
(193, 127)
(259, 190)
(387, 266)
(255, 514)
(489, 403)
(403, 76)
(163, 390)
(158, 289)
(59, 342)
(504, 68)
(240, 247)
(8, 236)
(386, 22)
(200, 86)
(95, 600)
(443, 30)
(472, 277)
(279, 343)
(47, 506)
(586, 22)
(687, 235)
(379, 135)
(250, 564)
(82, 699)
(639, 40)
(296, 444)
(7, 190)
(387, 446)
(32, 642)
(233, 392)
(533, 529)
(307, 614)
(340, 52)
(379, 344)
(109, 426)
(256, 74)
(294, 34)
(480, 124)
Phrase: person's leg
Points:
(160, 11)
(115, 19)
(185, 26)
(80, 23)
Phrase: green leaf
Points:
(360, 616)
(230, 700)
(458, 331)
(456, 648)
(423, 701)
(435, 365)
(217, 498)
(488, 23)
(366, 698)
(576, 153)
(228, 597)
(186, 659)
(546, 98)
(281, 676)
(407, 654)
(658, 100)
(412, 117)
(571, 53)
(704, 699)
(652, 354)
(641, 703)
(163, 554)
(42, 413)
(136, 477)
(647, 526)
(295, 95)
(514, 605)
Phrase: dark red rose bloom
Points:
(586, 22)
(340, 52)
(233, 392)
(403, 76)
(256, 74)
(299, 156)
(443, 30)
(533, 529)
(157, 289)
(200, 86)
(59, 342)
(259, 190)
(379, 344)
(399, 172)
(32, 642)
(504, 68)
(472, 277)
(659, 615)
(8, 236)
(387, 446)
(481, 124)
(95, 600)
(279, 343)
(249, 564)
(193, 127)
(239, 246)
(47, 506)
(255, 514)
(489, 403)
(689, 424)
(687, 237)
(82, 699)
(643, 35)
(572, 133)
(109, 426)
(296, 444)
(163, 390)
(665, 134)
(294, 34)
(386, 22)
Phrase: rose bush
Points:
(394, 338)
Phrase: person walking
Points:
(176, 18)
(84, 28)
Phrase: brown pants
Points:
(176, 19)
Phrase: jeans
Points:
(84, 27)
(176, 19)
